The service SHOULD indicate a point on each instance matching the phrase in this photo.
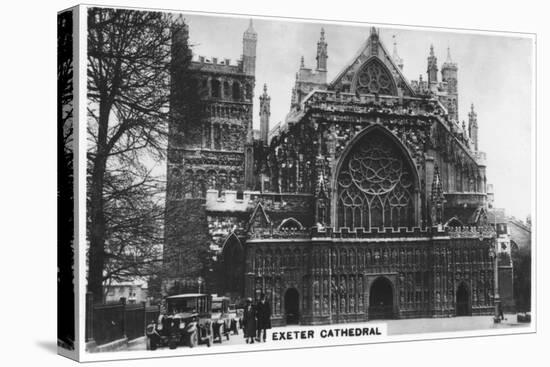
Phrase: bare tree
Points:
(65, 195)
(128, 92)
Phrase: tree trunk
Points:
(97, 216)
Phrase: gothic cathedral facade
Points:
(369, 200)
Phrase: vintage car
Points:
(187, 321)
(221, 318)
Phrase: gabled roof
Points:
(258, 215)
(372, 47)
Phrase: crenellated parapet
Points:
(482, 232)
(230, 200)
(402, 234)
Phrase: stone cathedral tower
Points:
(210, 148)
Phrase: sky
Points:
(494, 73)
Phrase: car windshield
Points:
(216, 306)
(183, 305)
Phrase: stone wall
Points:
(333, 277)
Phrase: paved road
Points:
(400, 327)
(233, 339)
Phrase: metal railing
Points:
(106, 323)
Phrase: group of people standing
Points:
(256, 319)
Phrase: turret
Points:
(265, 112)
(432, 67)
(449, 73)
(322, 54)
(449, 76)
(181, 53)
(472, 127)
(398, 60)
(250, 38)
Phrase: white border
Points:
(106, 356)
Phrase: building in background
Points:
(131, 291)
(368, 201)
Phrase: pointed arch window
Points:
(375, 185)
(375, 78)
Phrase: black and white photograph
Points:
(258, 183)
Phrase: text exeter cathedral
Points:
(368, 201)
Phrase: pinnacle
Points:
(449, 60)
(250, 29)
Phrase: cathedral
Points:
(367, 202)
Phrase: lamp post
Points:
(493, 253)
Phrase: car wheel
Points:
(193, 339)
(172, 344)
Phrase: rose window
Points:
(375, 185)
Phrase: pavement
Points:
(462, 323)
(394, 327)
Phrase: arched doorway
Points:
(232, 266)
(381, 299)
(292, 306)
(462, 300)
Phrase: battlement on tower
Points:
(216, 64)
(230, 200)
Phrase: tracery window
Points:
(375, 78)
(375, 185)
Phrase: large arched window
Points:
(375, 78)
(216, 88)
(236, 91)
(375, 184)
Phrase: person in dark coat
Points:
(263, 314)
(249, 321)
